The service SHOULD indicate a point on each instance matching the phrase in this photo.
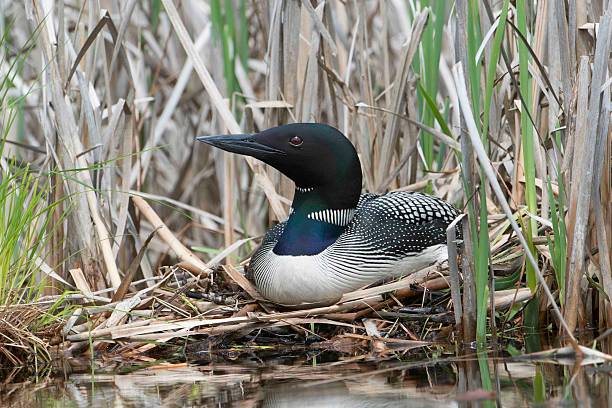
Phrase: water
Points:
(307, 381)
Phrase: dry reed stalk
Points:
(88, 205)
(290, 53)
(601, 189)
(221, 106)
(179, 249)
(398, 100)
(582, 200)
(80, 282)
(451, 238)
(307, 110)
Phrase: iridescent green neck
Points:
(316, 222)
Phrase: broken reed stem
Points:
(468, 325)
(104, 239)
(169, 238)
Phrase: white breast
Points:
(325, 277)
(291, 280)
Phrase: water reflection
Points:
(468, 381)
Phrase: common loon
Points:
(336, 239)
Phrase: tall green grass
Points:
(24, 216)
(24, 210)
(233, 39)
(558, 245)
(527, 136)
(479, 226)
(485, 376)
(480, 246)
(482, 254)
(431, 48)
(530, 227)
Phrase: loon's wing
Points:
(402, 223)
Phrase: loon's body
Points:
(390, 235)
(336, 239)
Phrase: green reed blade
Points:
(495, 53)
(431, 43)
(527, 133)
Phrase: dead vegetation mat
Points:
(195, 317)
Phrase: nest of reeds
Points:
(22, 336)
(203, 316)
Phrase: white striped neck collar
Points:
(341, 217)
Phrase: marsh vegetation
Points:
(120, 237)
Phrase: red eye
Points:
(296, 141)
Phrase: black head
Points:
(313, 155)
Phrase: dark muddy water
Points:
(307, 381)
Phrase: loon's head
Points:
(315, 156)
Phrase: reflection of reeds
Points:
(296, 382)
(109, 107)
